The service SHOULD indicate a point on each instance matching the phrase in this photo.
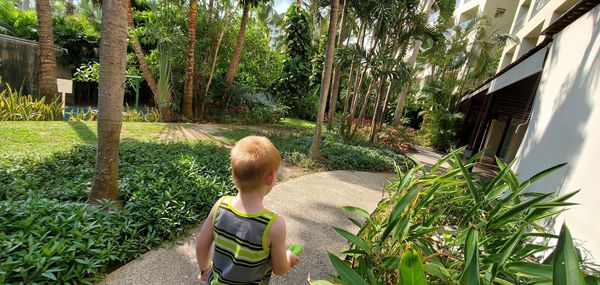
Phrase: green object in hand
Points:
(296, 249)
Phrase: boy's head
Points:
(254, 163)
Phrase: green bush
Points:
(445, 226)
(14, 106)
(48, 234)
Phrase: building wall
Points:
(19, 64)
(537, 16)
(564, 127)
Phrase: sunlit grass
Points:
(298, 123)
(19, 139)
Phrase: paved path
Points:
(311, 206)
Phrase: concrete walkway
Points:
(311, 206)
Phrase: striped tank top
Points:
(241, 254)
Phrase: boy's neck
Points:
(249, 201)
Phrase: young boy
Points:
(249, 239)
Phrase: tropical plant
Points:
(292, 87)
(14, 106)
(113, 60)
(315, 148)
(466, 56)
(445, 226)
(235, 59)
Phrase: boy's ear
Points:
(271, 178)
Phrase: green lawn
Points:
(18, 139)
(298, 123)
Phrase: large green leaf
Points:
(470, 274)
(411, 269)
(565, 267)
(347, 274)
(508, 247)
(530, 269)
(353, 239)
(468, 179)
(514, 211)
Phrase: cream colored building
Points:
(500, 12)
(542, 108)
(532, 17)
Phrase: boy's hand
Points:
(292, 258)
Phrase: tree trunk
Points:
(69, 8)
(211, 75)
(385, 103)
(235, 60)
(113, 59)
(211, 8)
(346, 101)
(335, 88)
(412, 63)
(48, 87)
(188, 90)
(363, 109)
(376, 110)
(315, 148)
(139, 54)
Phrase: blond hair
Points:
(253, 159)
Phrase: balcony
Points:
(539, 4)
(519, 24)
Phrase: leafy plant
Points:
(467, 231)
(14, 106)
(49, 234)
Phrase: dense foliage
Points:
(292, 87)
(456, 229)
(48, 234)
(14, 106)
(337, 154)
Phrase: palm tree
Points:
(427, 9)
(235, 59)
(113, 59)
(189, 68)
(335, 88)
(139, 54)
(315, 148)
(48, 88)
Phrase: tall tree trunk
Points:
(385, 103)
(113, 59)
(315, 148)
(412, 63)
(47, 83)
(347, 101)
(363, 109)
(335, 87)
(139, 54)
(188, 90)
(211, 75)
(376, 110)
(69, 8)
(235, 60)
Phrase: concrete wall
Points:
(535, 22)
(494, 138)
(564, 127)
(19, 64)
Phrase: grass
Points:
(20, 139)
(337, 154)
(299, 123)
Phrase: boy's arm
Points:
(204, 241)
(282, 259)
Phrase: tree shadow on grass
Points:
(84, 132)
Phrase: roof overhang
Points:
(524, 69)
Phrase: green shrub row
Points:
(446, 226)
(48, 234)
